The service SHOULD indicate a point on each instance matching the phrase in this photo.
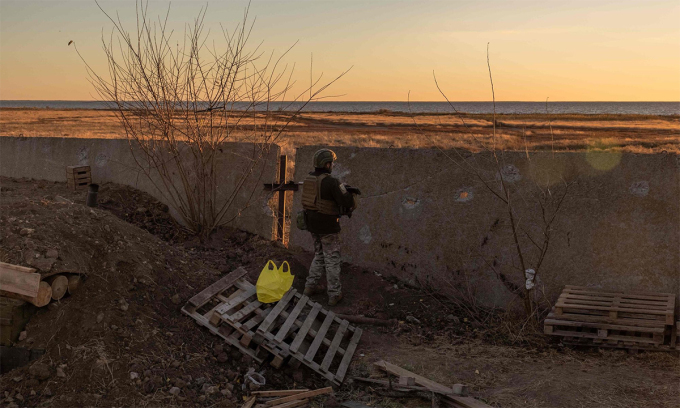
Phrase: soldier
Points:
(325, 199)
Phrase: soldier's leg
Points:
(317, 269)
(331, 253)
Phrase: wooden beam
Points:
(278, 393)
(18, 279)
(303, 395)
(280, 231)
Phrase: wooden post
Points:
(280, 231)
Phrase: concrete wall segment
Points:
(423, 217)
(111, 161)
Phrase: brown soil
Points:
(134, 254)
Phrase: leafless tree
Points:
(180, 99)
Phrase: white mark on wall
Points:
(267, 209)
(639, 188)
(101, 160)
(83, 155)
(464, 194)
(340, 172)
(351, 156)
(410, 203)
(365, 234)
(510, 174)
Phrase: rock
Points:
(60, 372)
(179, 383)
(114, 327)
(134, 375)
(218, 349)
(19, 397)
(175, 391)
(200, 381)
(205, 387)
(231, 375)
(175, 299)
(141, 210)
(32, 383)
(47, 392)
(52, 253)
(100, 317)
(226, 393)
(29, 244)
(23, 335)
(43, 264)
(412, 319)
(149, 387)
(40, 371)
(107, 228)
(453, 318)
(222, 357)
(201, 398)
(32, 393)
(17, 379)
(26, 231)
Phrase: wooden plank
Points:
(228, 280)
(612, 309)
(291, 404)
(227, 306)
(303, 395)
(610, 337)
(278, 393)
(302, 333)
(250, 402)
(552, 322)
(248, 309)
(276, 311)
(347, 358)
(320, 335)
(328, 359)
(19, 282)
(577, 298)
(420, 380)
(605, 319)
(18, 268)
(632, 295)
(292, 317)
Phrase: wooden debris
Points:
(41, 299)
(78, 177)
(19, 280)
(73, 283)
(448, 395)
(302, 395)
(277, 393)
(368, 320)
(249, 403)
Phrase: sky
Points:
(592, 50)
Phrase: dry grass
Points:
(629, 133)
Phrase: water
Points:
(592, 108)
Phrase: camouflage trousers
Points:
(326, 259)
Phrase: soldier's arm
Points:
(340, 195)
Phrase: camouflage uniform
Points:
(326, 259)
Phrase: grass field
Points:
(629, 133)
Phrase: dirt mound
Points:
(121, 339)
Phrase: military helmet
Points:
(323, 156)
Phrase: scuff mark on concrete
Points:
(365, 234)
(464, 194)
(101, 160)
(83, 155)
(410, 203)
(510, 174)
(639, 188)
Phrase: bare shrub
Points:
(180, 99)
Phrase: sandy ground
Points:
(632, 133)
(132, 252)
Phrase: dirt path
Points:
(126, 320)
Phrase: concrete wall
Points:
(425, 217)
(111, 160)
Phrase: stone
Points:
(17, 379)
(100, 317)
(40, 371)
(32, 392)
(107, 228)
(60, 372)
(453, 318)
(47, 392)
(222, 357)
(179, 383)
(134, 375)
(52, 253)
(175, 299)
(200, 381)
(218, 349)
(44, 264)
(412, 319)
(175, 391)
(29, 244)
(23, 335)
(201, 398)
(19, 397)
(26, 231)
(226, 393)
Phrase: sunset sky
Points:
(592, 50)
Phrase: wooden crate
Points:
(78, 177)
(584, 315)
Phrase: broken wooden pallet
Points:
(312, 335)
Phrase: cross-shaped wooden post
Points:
(281, 189)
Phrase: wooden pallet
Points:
(585, 316)
(312, 335)
(78, 177)
(293, 329)
(619, 307)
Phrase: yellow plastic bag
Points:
(273, 282)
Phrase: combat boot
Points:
(312, 290)
(335, 299)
